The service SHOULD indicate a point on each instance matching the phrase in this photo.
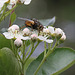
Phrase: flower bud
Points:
(18, 42)
(63, 38)
(26, 31)
(58, 33)
(33, 36)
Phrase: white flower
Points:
(13, 32)
(58, 32)
(45, 39)
(18, 42)
(51, 29)
(13, 35)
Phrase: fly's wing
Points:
(24, 19)
(47, 22)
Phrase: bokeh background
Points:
(64, 10)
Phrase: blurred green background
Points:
(64, 10)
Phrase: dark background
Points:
(64, 10)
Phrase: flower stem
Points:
(3, 14)
(7, 13)
(35, 73)
(11, 14)
(28, 51)
(49, 46)
(24, 46)
(33, 48)
(50, 51)
(45, 49)
(43, 60)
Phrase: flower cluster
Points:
(13, 2)
(47, 34)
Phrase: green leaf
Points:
(12, 17)
(8, 63)
(47, 22)
(60, 60)
(4, 42)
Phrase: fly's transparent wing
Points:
(47, 22)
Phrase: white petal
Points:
(41, 38)
(25, 38)
(8, 35)
(4, 0)
(49, 41)
(27, 2)
(51, 29)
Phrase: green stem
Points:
(2, 8)
(45, 49)
(12, 45)
(3, 14)
(23, 49)
(49, 47)
(19, 58)
(33, 48)
(16, 51)
(7, 13)
(55, 45)
(48, 53)
(35, 73)
(51, 44)
(23, 58)
(28, 51)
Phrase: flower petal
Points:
(41, 38)
(49, 41)
(8, 35)
(51, 29)
(25, 38)
(27, 2)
